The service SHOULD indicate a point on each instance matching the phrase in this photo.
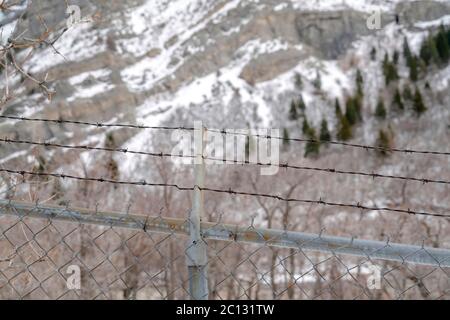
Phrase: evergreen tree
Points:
(373, 54)
(425, 52)
(448, 37)
(345, 130)
(285, 138)
(396, 57)
(324, 132)
(389, 70)
(407, 93)
(429, 52)
(305, 127)
(392, 73)
(357, 102)
(351, 112)
(317, 83)
(380, 111)
(413, 68)
(398, 101)
(301, 104)
(247, 147)
(359, 83)
(442, 45)
(406, 50)
(110, 141)
(435, 57)
(293, 114)
(337, 109)
(385, 63)
(298, 81)
(312, 147)
(418, 104)
(384, 141)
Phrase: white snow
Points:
(434, 23)
(71, 47)
(96, 74)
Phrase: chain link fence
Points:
(61, 253)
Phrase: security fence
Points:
(63, 252)
(66, 253)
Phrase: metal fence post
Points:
(197, 250)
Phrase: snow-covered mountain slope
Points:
(230, 63)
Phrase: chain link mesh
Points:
(38, 258)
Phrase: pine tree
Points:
(285, 138)
(247, 147)
(413, 68)
(429, 52)
(351, 112)
(396, 57)
(407, 94)
(384, 141)
(317, 83)
(442, 45)
(312, 147)
(345, 130)
(406, 50)
(373, 54)
(110, 141)
(298, 81)
(357, 102)
(380, 111)
(418, 104)
(448, 37)
(389, 70)
(425, 53)
(359, 83)
(301, 104)
(434, 51)
(337, 109)
(392, 73)
(385, 63)
(398, 101)
(305, 127)
(324, 132)
(293, 114)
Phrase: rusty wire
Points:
(359, 206)
(372, 175)
(225, 132)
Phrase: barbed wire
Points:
(90, 148)
(97, 124)
(360, 206)
(372, 175)
(331, 142)
(226, 132)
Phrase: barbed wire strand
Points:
(226, 132)
(360, 206)
(96, 124)
(372, 175)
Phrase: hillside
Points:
(233, 64)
